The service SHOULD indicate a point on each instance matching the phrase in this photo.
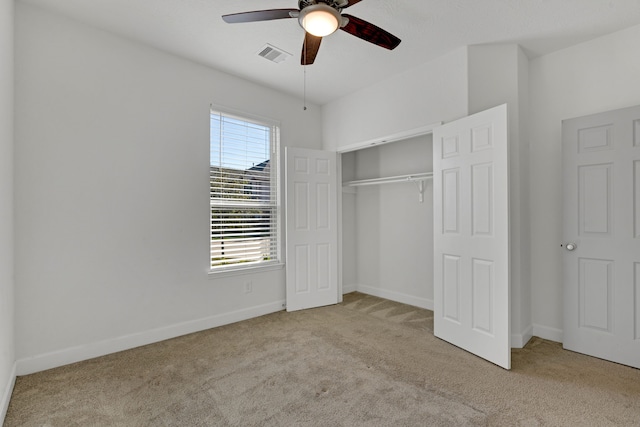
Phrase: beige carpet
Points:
(366, 362)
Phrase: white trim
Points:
(218, 113)
(6, 395)
(520, 340)
(411, 133)
(83, 352)
(347, 289)
(397, 297)
(236, 271)
(339, 225)
(547, 333)
(517, 340)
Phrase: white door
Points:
(471, 235)
(601, 242)
(312, 228)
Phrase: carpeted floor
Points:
(365, 362)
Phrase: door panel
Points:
(312, 228)
(450, 201)
(600, 217)
(636, 198)
(451, 288)
(471, 266)
(596, 287)
(482, 294)
(482, 200)
(595, 196)
(636, 305)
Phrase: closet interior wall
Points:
(387, 232)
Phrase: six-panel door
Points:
(471, 235)
(601, 223)
(312, 228)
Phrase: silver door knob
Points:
(571, 246)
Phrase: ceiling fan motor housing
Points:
(336, 4)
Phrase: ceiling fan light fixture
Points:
(319, 19)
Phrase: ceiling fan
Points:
(320, 18)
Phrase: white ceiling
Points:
(193, 29)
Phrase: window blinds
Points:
(243, 191)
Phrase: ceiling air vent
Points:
(273, 54)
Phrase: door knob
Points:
(571, 246)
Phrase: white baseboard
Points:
(6, 395)
(517, 340)
(547, 333)
(89, 351)
(396, 296)
(521, 339)
(347, 289)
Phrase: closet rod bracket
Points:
(420, 184)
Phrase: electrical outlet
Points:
(248, 287)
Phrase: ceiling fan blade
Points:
(310, 49)
(351, 3)
(369, 32)
(258, 15)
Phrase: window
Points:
(243, 191)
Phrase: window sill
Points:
(236, 271)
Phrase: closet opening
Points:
(387, 220)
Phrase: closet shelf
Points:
(390, 179)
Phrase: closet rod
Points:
(390, 179)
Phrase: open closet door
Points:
(311, 185)
(471, 235)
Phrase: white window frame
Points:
(274, 204)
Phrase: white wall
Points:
(433, 92)
(430, 93)
(111, 177)
(592, 77)
(112, 192)
(349, 225)
(7, 358)
(463, 82)
(393, 251)
(498, 74)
